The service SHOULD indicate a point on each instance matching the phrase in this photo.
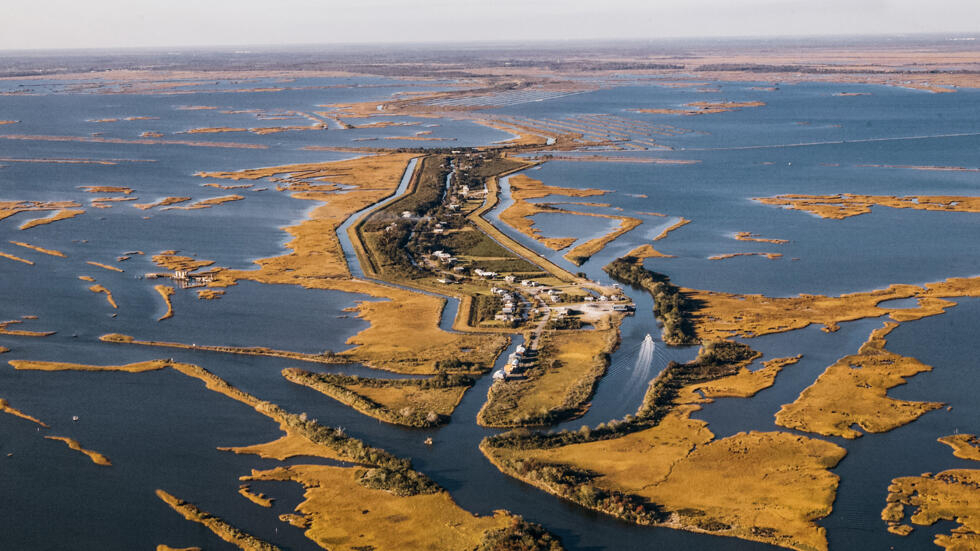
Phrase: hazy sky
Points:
(35, 24)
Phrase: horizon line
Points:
(952, 36)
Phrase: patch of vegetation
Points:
(576, 485)
(715, 360)
(516, 265)
(471, 243)
(671, 306)
(558, 387)
(519, 536)
(338, 387)
(403, 482)
(484, 308)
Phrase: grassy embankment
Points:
(519, 216)
(660, 467)
(418, 403)
(220, 527)
(49, 252)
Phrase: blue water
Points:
(161, 429)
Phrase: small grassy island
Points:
(853, 392)
(952, 495)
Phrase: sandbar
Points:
(138, 367)
(166, 292)
(10, 208)
(9, 256)
(219, 527)
(108, 294)
(703, 108)
(748, 236)
(50, 252)
(21, 332)
(770, 256)
(105, 266)
(672, 227)
(5, 407)
(162, 202)
(583, 252)
(107, 189)
(95, 456)
(207, 203)
(244, 350)
(140, 141)
(63, 214)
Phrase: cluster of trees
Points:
(388, 472)
(566, 322)
(404, 482)
(576, 485)
(672, 308)
(519, 536)
(485, 307)
(456, 364)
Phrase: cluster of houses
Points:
(517, 363)
(443, 257)
(184, 278)
(511, 309)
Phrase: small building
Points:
(499, 375)
(406, 214)
(510, 279)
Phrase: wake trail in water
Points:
(644, 365)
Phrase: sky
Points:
(47, 24)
